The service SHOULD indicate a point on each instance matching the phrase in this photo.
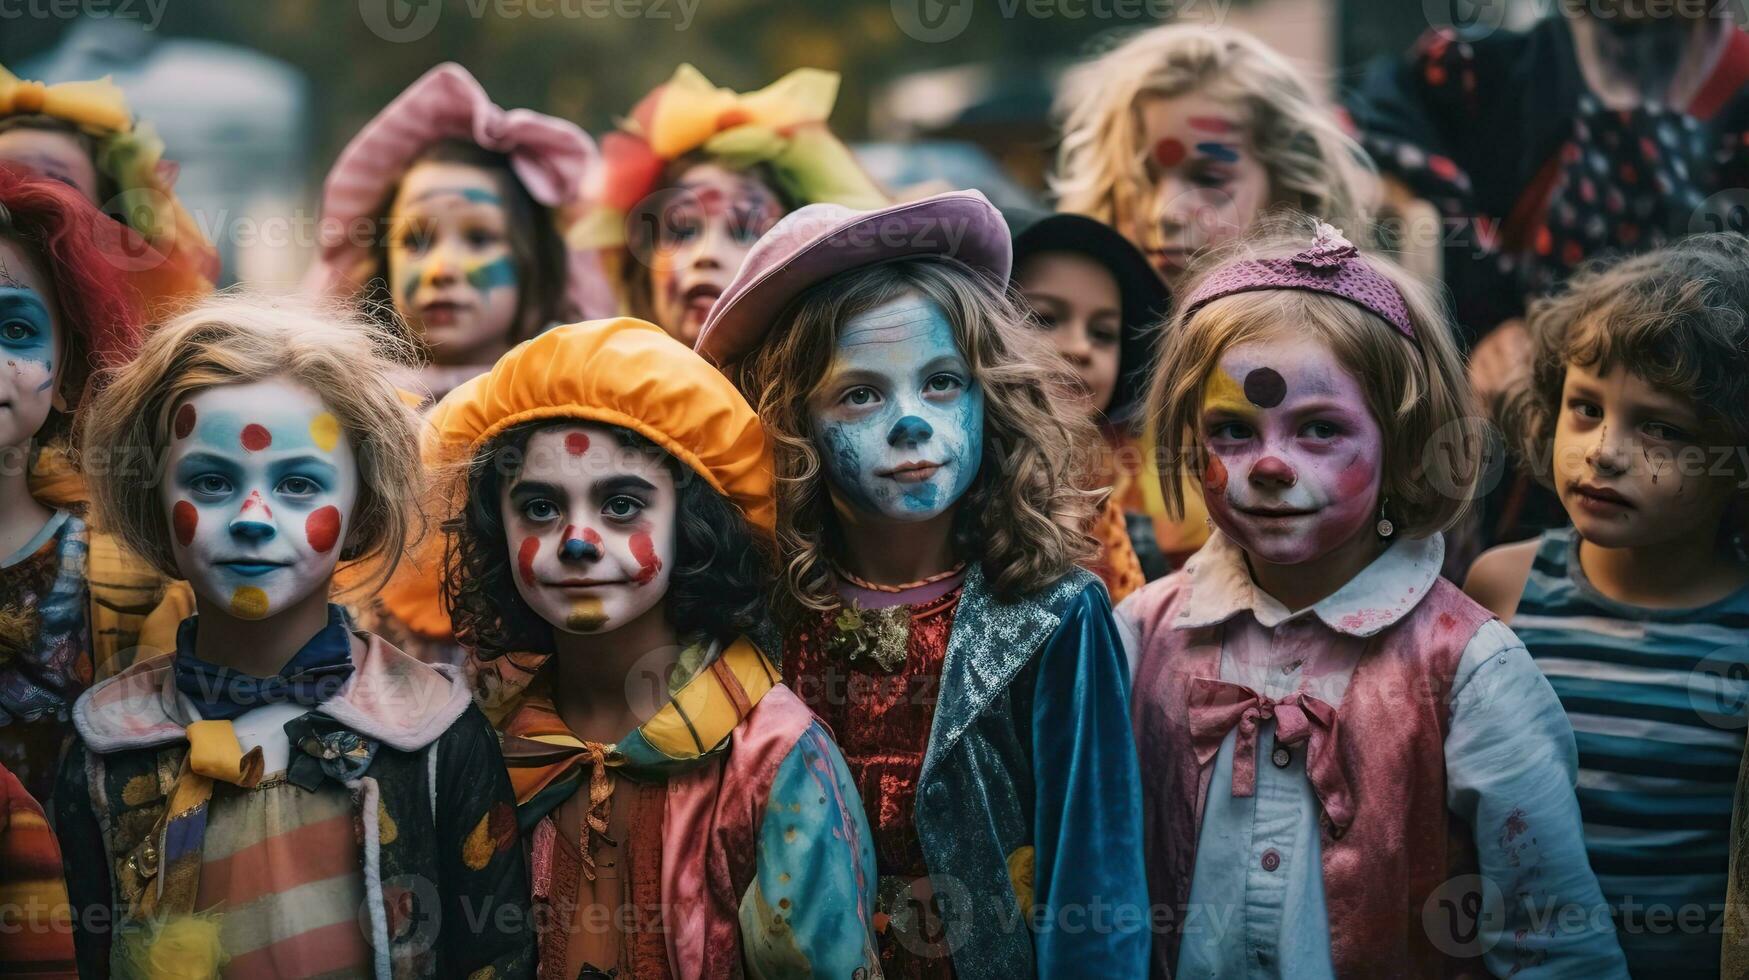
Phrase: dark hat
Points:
(1144, 295)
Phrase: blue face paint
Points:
(27, 333)
(1218, 151)
(899, 420)
(496, 274)
(473, 195)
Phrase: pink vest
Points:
(710, 836)
(1402, 843)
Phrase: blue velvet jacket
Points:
(1031, 756)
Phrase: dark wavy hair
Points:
(722, 567)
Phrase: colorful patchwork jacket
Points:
(1029, 805)
(766, 864)
(448, 887)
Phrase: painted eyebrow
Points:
(533, 488)
(304, 461)
(14, 293)
(203, 459)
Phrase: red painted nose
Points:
(1274, 472)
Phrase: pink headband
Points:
(1332, 265)
(552, 158)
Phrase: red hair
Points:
(98, 312)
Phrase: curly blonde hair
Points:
(1024, 518)
(1434, 433)
(239, 338)
(1313, 165)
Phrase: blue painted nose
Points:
(577, 549)
(251, 530)
(909, 429)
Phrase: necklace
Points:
(894, 589)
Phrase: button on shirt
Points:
(1256, 906)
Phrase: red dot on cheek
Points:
(525, 559)
(1214, 478)
(1169, 152)
(256, 437)
(576, 443)
(184, 421)
(322, 527)
(1355, 479)
(184, 519)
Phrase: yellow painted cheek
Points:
(248, 602)
(325, 431)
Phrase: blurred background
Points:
(255, 99)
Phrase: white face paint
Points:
(589, 524)
(259, 495)
(450, 263)
(30, 347)
(53, 154)
(1295, 456)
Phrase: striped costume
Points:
(1656, 699)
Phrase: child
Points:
(83, 135)
(451, 212)
(697, 173)
(1183, 136)
(930, 524)
(1638, 614)
(612, 554)
(71, 602)
(1097, 299)
(1345, 750)
(282, 794)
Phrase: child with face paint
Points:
(930, 526)
(1183, 137)
(1345, 750)
(451, 212)
(71, 601)
(83, 135)
(1637, 416)
(697, 173)
(1096, 298)
(611, 556)
(282, 795)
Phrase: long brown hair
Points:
(1023, 518)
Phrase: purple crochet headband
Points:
(1332, 265)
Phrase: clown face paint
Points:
(899, 419)
(59, 155)
(450, 264)
(1294, 453)
(1207, 185)
(30, 345)
(259, 497)
(701, 235)
(589, 525)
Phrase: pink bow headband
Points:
(1331, 265)
(553, 159)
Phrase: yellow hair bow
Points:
(691, 110)
(95, 105)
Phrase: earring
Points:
(1385, 527)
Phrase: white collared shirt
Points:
(1257, 896)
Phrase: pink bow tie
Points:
(1217, 706)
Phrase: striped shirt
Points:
(1656, 698)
